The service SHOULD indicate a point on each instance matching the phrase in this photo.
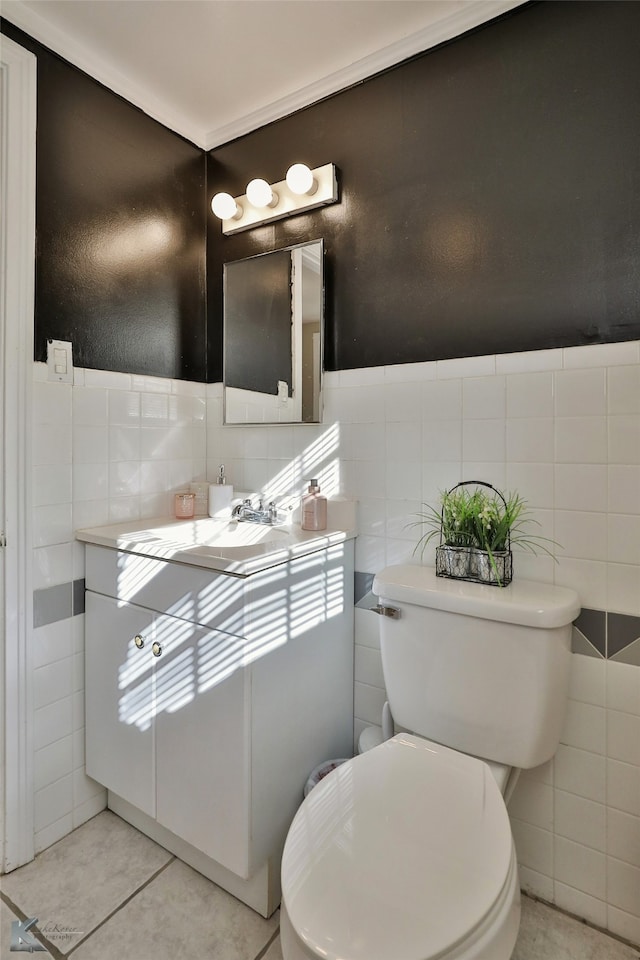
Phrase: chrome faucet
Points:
(260, 514)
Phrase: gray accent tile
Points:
(52, 604)
(78, 597)
(362, 583)
(622, 630)
(368, 601)
(629, 654)
(592, 624)
(580, 644)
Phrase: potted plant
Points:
(476, 525)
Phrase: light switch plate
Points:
(60, 361)
(283, 391)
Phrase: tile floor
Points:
(106, 892)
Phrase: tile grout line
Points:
(272, 938)
(120, 906)
(51, 948)
(587, 923)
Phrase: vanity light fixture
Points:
(302, 190)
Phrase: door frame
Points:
(17, 245)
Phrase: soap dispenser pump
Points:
(314, 508)
(220, 496)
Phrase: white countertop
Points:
(232, 547)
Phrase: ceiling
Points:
(213, 70)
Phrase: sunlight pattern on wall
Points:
(317, 460)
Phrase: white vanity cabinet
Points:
(210, 698)
(164, 733)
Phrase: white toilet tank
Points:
(481, 669)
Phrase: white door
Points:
(3, 364)
(17, 251)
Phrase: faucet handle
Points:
(273, 511)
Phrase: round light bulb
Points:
(225, 207)
(260, 194)
(300, 180)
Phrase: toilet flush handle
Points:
(383, 611)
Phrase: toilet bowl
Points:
(403, 853)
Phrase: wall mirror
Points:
(273, 330)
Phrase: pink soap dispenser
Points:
(314, 508)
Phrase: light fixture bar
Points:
(288, 202)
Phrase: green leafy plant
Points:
(482, 518)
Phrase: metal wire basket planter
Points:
(465, 561)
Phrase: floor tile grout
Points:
(21, 915)
(587, 923)
(121, 905)
(274, 936)
(55, 952)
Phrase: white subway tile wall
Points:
(593, 866)
(109, 447)
(560, 426)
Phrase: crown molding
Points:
(448, 27)
(451, 25)
(50, 36)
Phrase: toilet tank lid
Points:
(523, 602)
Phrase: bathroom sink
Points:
(225, 534)
(217, 534)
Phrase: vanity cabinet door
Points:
(202, 745)
(119, 685)
(167, 716)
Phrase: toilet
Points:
(405, 852)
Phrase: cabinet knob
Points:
(139, 641)
(156, 649)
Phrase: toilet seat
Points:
(400, 854)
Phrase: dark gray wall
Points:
(120, 218)
(490, 193)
